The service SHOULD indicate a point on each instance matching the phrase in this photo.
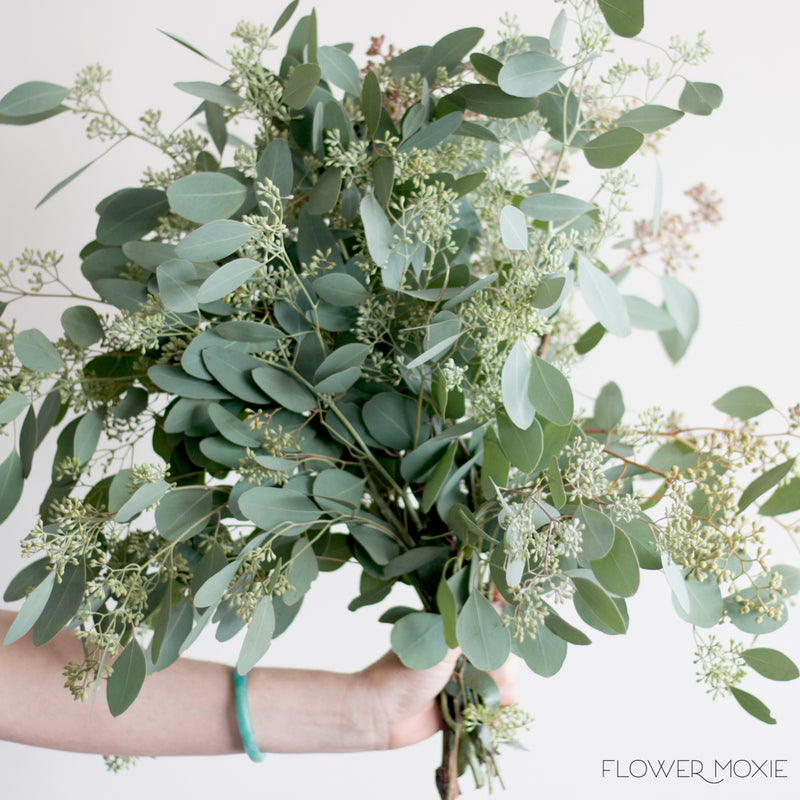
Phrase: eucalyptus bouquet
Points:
(347, 332)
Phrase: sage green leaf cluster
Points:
(349, 338)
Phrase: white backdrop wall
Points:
(623, 698)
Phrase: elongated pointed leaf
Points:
(743, 402)
(600, 603)
(258, 637)
(11, 483)
(554, 207)
(618, 570)
(613, 148)
(648, 119)
(214, 240)
(763, 483)
(752, 705)
(214, 93)
(544, 654)
(31, 610)
(144, 497)
(184, 512)
(226, 279)
(181, 41)
(301, 84)
(515, 379)
(771, 664)
(64, 600)
(514, 228)
(33, 97)
(339, 69)
(784, 500)
(127, 678)
(603, 298)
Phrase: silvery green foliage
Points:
(349, 338)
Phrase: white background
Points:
(623, 698)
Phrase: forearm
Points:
(187, 709)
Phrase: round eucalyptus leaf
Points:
(700, 98)
(82, 325)
(214, 240)
(603, 298)
(529, 74)
(340, 289)
(624, 17)
(418, 639)
(273, 508)
(301, 84)
(618, 570)
(284, 389)
(206, 196)
(174, 285)
(131, 214)
(513, 228)
(486, 642)
(14, 404)
(36, 352)
(339, 69)
(337, 490)
(550, 392)
(347, 356)
(184, 512)
(544, 654)
(391, 418)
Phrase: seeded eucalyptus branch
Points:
(348, 334)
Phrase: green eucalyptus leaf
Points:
(82, 325)
(513, 228)
(285, 16)
(32, 119)
(609, 407)
(564, 630)
(554, 207)
(483, 638)
(325, 193)
(301, 84)
(603, 298)
(145, 496)
(214, 240)
(646, 316)
(126, 679)
(217, 129)
(515, 379)
(206, 196)
(613, 148)
(705, 602)
(174, 285)
(530, 74)
(649, 118)
(449, 52)
(87, 434)
(391, 419)
(486, 65)
(31, 609)
(523, 446)
(210, 591)
(345, 357)
(175, 381)
(437, 480)
(33, 97)
(550, 392)
(303, 572)
(27, 579)
(258, 637)
(492, 101)
(544, 654)
(275, 165)
(371, 102)
(418, 639)
(771, 664)
(337, 490)
(282, 509)
(341, 289)
(226, 279)
(14, 404)
(618, 570)
(62, 604)
(377, 229)
(681, 305)
(184, 512)
(181, 41)
(598, 532)
(744, 402)
(131, 214)
(339, 69)
(212, 92)
(763, 483)
(179, 627)
(233, 370)
(11, 482)
(36, 352)
(752, 705)
(433, 134)
(599, 603)
(700, 98)
(284, 389)
(784, 500)
(624, 17)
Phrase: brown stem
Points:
(447, 771)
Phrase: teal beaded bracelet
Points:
(243, 717)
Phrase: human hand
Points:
(401, 703)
